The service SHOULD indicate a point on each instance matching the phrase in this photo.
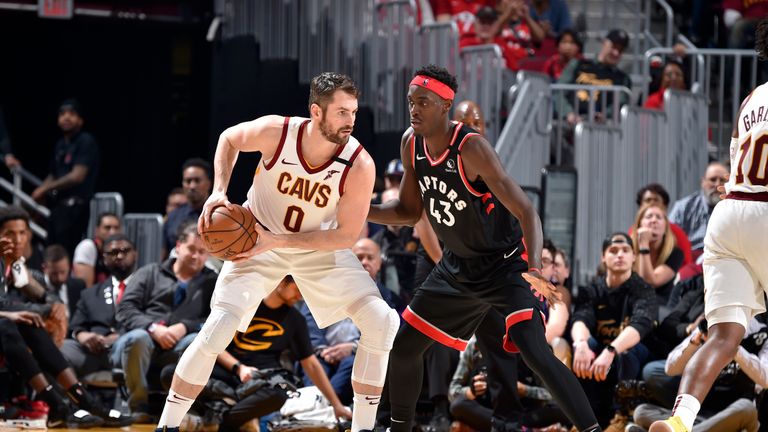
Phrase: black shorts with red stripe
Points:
(455, 297)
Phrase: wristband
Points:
(236, 368)
(534, 269)
(644, 251)
(611, 349)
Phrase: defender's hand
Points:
(543, 288)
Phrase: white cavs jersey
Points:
(289, 195)
(749, 153)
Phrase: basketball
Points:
(230, 232)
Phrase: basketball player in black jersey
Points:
(481, 215)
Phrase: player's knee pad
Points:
(378, 325)
(197, 362)
(218, 330)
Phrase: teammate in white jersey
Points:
(310, 194)
(735, 255)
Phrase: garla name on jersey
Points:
(750, 118)
(304, 189)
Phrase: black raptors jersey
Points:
(469, 220)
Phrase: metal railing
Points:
(648, 155)
(392, 63)
(601, 207)
(20, 198)
(688, 118)
(335, 36)
(670, 23)
(482, 68)
(438, 43)
(724, 77)
(146, 232)
(523, 145)
(274, 23)
(590, 103)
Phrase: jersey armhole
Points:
(461, 165)
(413, 151)
(348, 167)
(279, 150)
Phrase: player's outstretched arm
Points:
(407, 209)
(480, 159)
(262, 134)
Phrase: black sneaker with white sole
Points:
(80, 419)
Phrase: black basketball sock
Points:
(406, 373)
(441, 406)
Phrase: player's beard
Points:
(335, 137)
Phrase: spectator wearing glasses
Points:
(692, 212)
(93, 324)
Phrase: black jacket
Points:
(75, 287)
(606, 311)
(148, 298)
(95, 311)
(691, 305)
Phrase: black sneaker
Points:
(86, 401)
(115, 418)
(80, 419)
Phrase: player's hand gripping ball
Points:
(230, 232)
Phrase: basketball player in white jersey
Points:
(310, 193)
(735, 255)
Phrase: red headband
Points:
(434, 86)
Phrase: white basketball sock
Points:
(364, 411)
(686, 407)
(176, 406)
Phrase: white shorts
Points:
(736, 260)
(329, 282)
